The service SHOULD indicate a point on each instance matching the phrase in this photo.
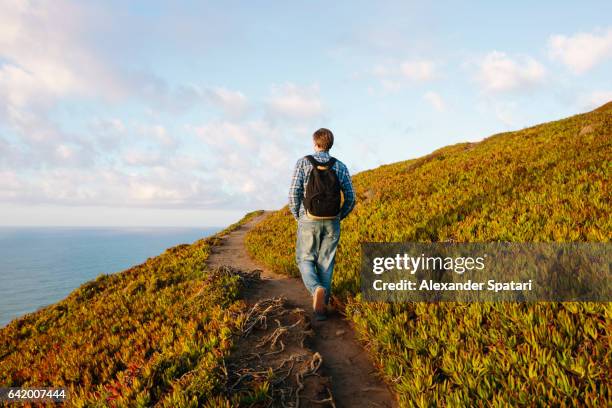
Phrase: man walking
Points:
(315, 202)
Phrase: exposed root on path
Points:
(274, 362)
(247, 278)
(315, 365)
(272, 365)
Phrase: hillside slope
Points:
(155, 334)
(548, 182)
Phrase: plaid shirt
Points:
(300, 178)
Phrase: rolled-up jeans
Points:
(315, 252)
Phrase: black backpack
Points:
(322, 197)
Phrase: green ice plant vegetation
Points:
(157, 333)
(546, 183)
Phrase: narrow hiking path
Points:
(354, 380)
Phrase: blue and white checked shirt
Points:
(300, 177)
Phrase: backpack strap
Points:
(321, 166)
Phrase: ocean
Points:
(42, 265)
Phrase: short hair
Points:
(323, 138)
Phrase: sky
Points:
(189, 113)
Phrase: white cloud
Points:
(253, 156)
(498, 72)
(10, 185)
(157, 133)
(234, 103)
(581, 51)
(381, 71)
(158, 187)
(390, 86)
(137, 157)
(435, 100)
(395, 75)
(227, 133)
(505, 112)
(109, 124)
(50, 54)
(47, 56)
(296, 102)
(132, 164)
(418, 70)
(595, 99)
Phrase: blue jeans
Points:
(315, 252)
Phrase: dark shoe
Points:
(320, 316)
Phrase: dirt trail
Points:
(354, 381)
